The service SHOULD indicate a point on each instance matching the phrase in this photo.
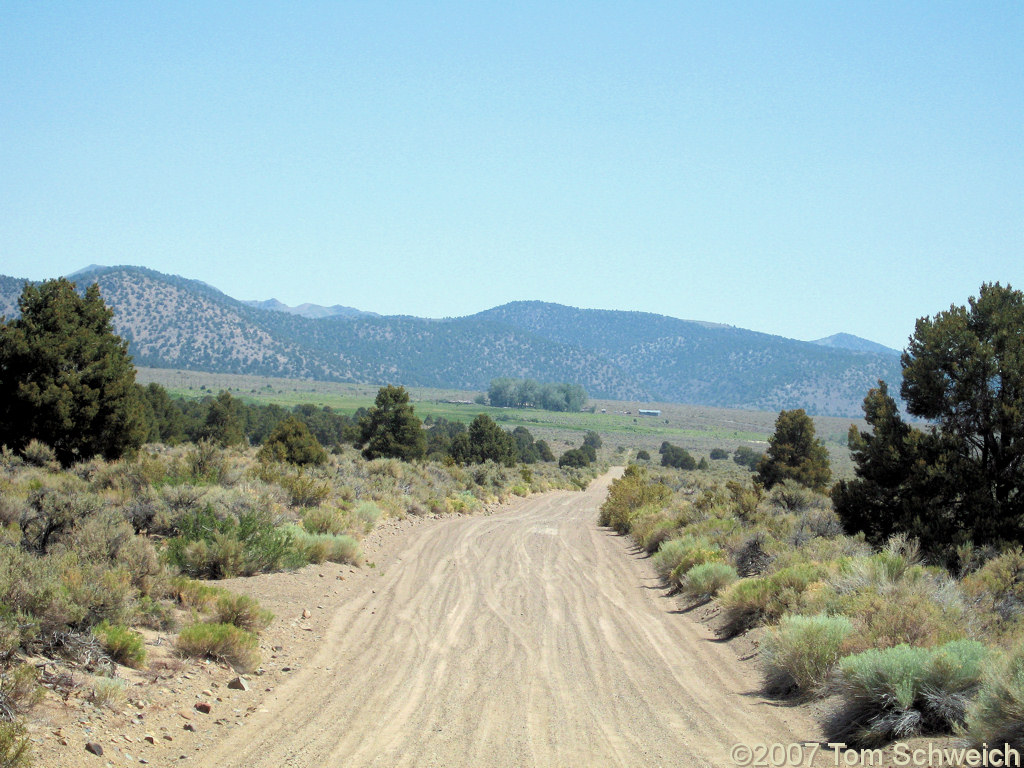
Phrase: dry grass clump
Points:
(242, 611)
(108, 692)
(220, 641)
(19, 691)
(798, 654)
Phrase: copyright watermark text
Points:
(901, 754)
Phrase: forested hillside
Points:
(174, 322)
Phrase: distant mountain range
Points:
(174, 322)
(309, 310)
(855, 344)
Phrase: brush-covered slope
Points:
(695, 362)
(171, 321)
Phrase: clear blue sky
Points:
(799, 168)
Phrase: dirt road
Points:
(526, 638)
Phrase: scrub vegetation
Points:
(900, 592)
(120, 505)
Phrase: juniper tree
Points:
(66, 378)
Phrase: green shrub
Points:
(794, 497)
(901, 692)
(219, 548)
(122, 644)
(367, 514)
(206, 463)
(31, 587)
(54, 507)
(893, 600)
(155, 614)
(996, 716)
(324, 520)
(912, 613)
(39, 454)
(15, 749)
(225, 642)
(749, 602)
(798, 654)
(650, 531)
(97, 591)
(997, 589)
(462, 503)
(305, 490)
(628, 494)
(707, 579)
(318, 547)
(19, 690)
(242, 611)
(292, 442)
(195, 594)
(677, 556)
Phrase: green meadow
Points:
(699, 429)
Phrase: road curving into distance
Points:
(530, 637)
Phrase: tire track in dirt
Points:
(526, 638)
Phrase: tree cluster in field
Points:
(391, 429)
(526, 393)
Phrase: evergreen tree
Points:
(292, 442)
(440, 437)
(485, 441)
(677, 457)
(747, 457)
(794, 453)
(528, 451)
(962, 478)
(544, 451)
(894, 489)
(391, 428)
(224, 423)
(574, 457)
(66, 378)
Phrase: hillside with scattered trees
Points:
(170, 321)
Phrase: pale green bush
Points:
(996, 716)
(902, 692)
(707, 580)
(798, 654)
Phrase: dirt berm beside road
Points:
(526, 638)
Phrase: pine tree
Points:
(292, 442)
(391, 428)
(794, 453)
(66, 378)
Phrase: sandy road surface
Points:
(526, 638)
